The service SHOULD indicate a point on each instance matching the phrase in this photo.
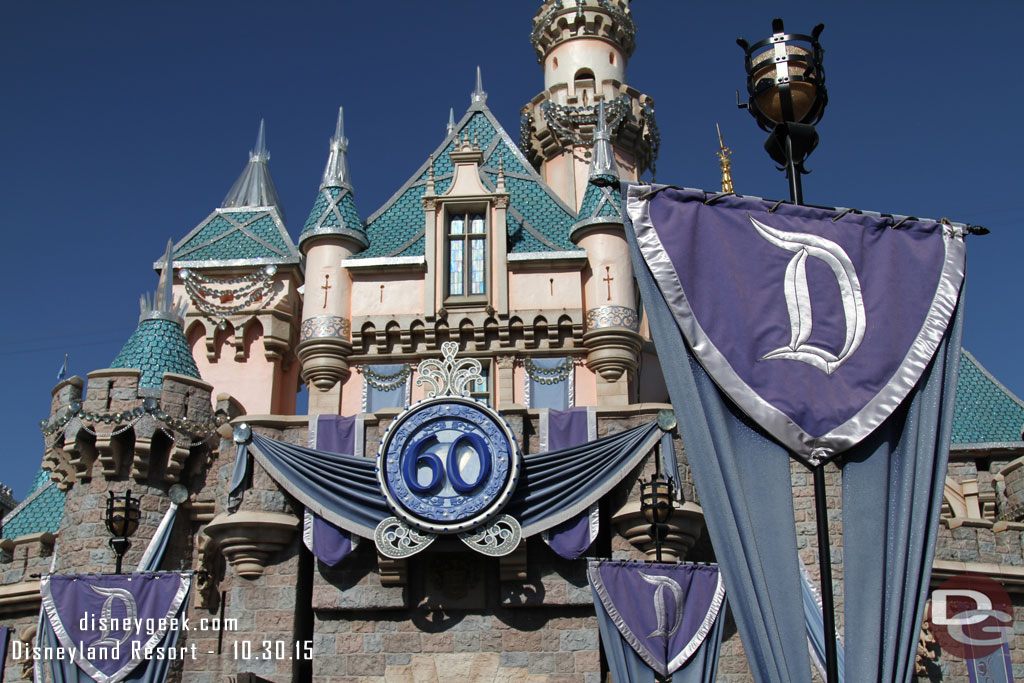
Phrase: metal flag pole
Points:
(786, 84)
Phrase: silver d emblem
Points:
(798, 298)
(107, 612)
(664, 583)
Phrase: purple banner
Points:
(816, 328)
(334, 434)
(110, 624)
(565, 428)
(664, 611)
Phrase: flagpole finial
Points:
(724, 162)
(451, 121)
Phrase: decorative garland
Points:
(126, 420)
(386, 382)
(565, 120)
(554, 375)
(255, 287)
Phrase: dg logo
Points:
(448, 466)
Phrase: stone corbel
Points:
(393, 572)
(249, 538)
(684, 528)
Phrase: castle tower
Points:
(240, 271)
(584, 48)
(612, 323)
(333, 232)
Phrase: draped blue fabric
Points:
(892, 495)
(554, 396)
(815, 623)
(337, 434)
(376, 399)
(553, 487)
(626, 666)
(743, 480)
(563, 428)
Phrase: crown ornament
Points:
(448, 376)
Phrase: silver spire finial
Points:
(260, 153)
(255, 187)
(478, 96)
(602, 165)
(161, 306)
(336, 172)
(451, 121)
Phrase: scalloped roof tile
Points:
(157, 346)
(238, 234)
(41, 512)
(986, 411)
(537, 219)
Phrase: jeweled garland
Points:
(255, 287)
(386, 382)
(126, 419)
(554, 375)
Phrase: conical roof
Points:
(158, 344)
(255, 187)
(248, 229)
(602, 201)
(334, 211)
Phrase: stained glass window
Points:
(467, 255)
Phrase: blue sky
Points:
(123, 124)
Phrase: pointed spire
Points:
(478, 98)
(430, 177)
(724, 162)
(161, 305)
(336, 173)
(500, 186)
(451, 122)
(255, 187)
(602, 166)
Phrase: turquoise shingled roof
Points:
(986, 411)
(41, 511)
(157, 346)
(237, 234)
(333, 212)
(537, 219)
(600, 202)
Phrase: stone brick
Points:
(565, 662)
(515, 660)
(542, 662)
(465, 642)
(521, 641)
(347, 643)
(572, 641)
(588, 660)
(438, 642)
(372, 642)
(403, 642)
(366, 665)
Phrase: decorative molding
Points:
(613, 316)
(684, 528)
(321, 326)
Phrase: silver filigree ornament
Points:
(449, 377)
(395, 539)
(496, 539)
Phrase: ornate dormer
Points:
(240, 272)
(584, 47)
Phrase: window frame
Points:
(467, 237)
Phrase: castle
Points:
(514, 250)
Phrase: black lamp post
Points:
(122, 521)
(786, 84)
(657, 506)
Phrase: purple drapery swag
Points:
(663, 611)
(110, 625)
(335, 434)
(816, 330)
(561, 429)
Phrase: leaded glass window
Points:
(467, 255)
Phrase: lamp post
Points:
(656, 505)
(122, 520)
(786, 84)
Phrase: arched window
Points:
(467, 255)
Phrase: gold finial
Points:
(724, 162)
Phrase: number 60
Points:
(418, 457)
